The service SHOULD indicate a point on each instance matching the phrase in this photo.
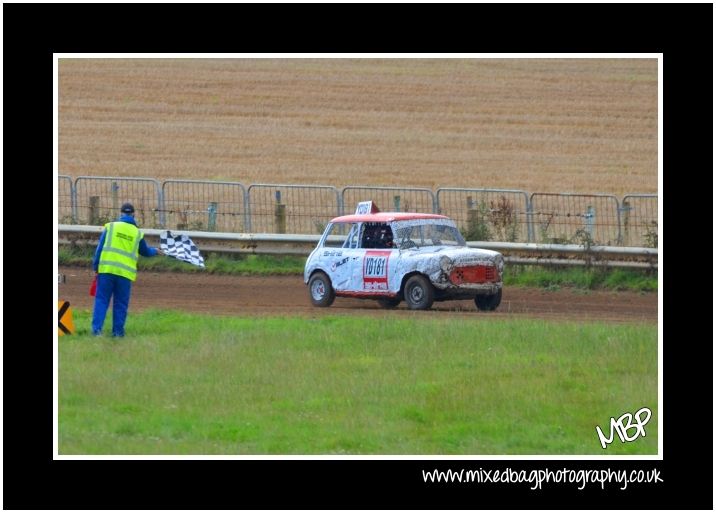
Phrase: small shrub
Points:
(197, 226)
(651, 237)
(319, 226)
(477, 224)
(104, 218)
(504, 219)
(583, 238)
(544, 233)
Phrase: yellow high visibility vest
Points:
(121, 250)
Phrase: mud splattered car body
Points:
(394, 256)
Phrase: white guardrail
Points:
(296, 244)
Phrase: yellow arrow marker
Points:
(65, 326)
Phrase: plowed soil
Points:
(541, 125)
(288, 295)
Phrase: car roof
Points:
(385, 217)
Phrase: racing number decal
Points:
(375, 270)
(375, 266)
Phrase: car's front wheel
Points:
(321, 290)
(488, 302)
(419, 293)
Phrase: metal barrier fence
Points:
(65, 201)
(296, 244)
(390, 199)
(488, 214)
(204, 206)
(281, 208)
(98, 199)
(640, 220)
(482, 214)
(572, 218)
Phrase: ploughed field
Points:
(540, 125)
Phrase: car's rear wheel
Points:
(389, 302)
(419, 293)
(488, 302)
(321, 290)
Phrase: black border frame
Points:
(32, 32)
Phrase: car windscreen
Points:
(427, 232)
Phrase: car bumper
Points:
(468, 289)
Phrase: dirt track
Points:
(287, 295)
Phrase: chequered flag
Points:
(180, 247)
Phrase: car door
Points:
(372, 271)
(340, 261)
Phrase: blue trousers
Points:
(109, 285)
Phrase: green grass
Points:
(218, 264)
(423, 384)
(550, 278)
(553, 278)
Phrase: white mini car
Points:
(391, 256)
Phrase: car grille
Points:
(473, 274)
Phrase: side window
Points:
(336, 236)
(405, 235)
(352, 239)
(377, 236)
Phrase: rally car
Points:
(391, 256)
